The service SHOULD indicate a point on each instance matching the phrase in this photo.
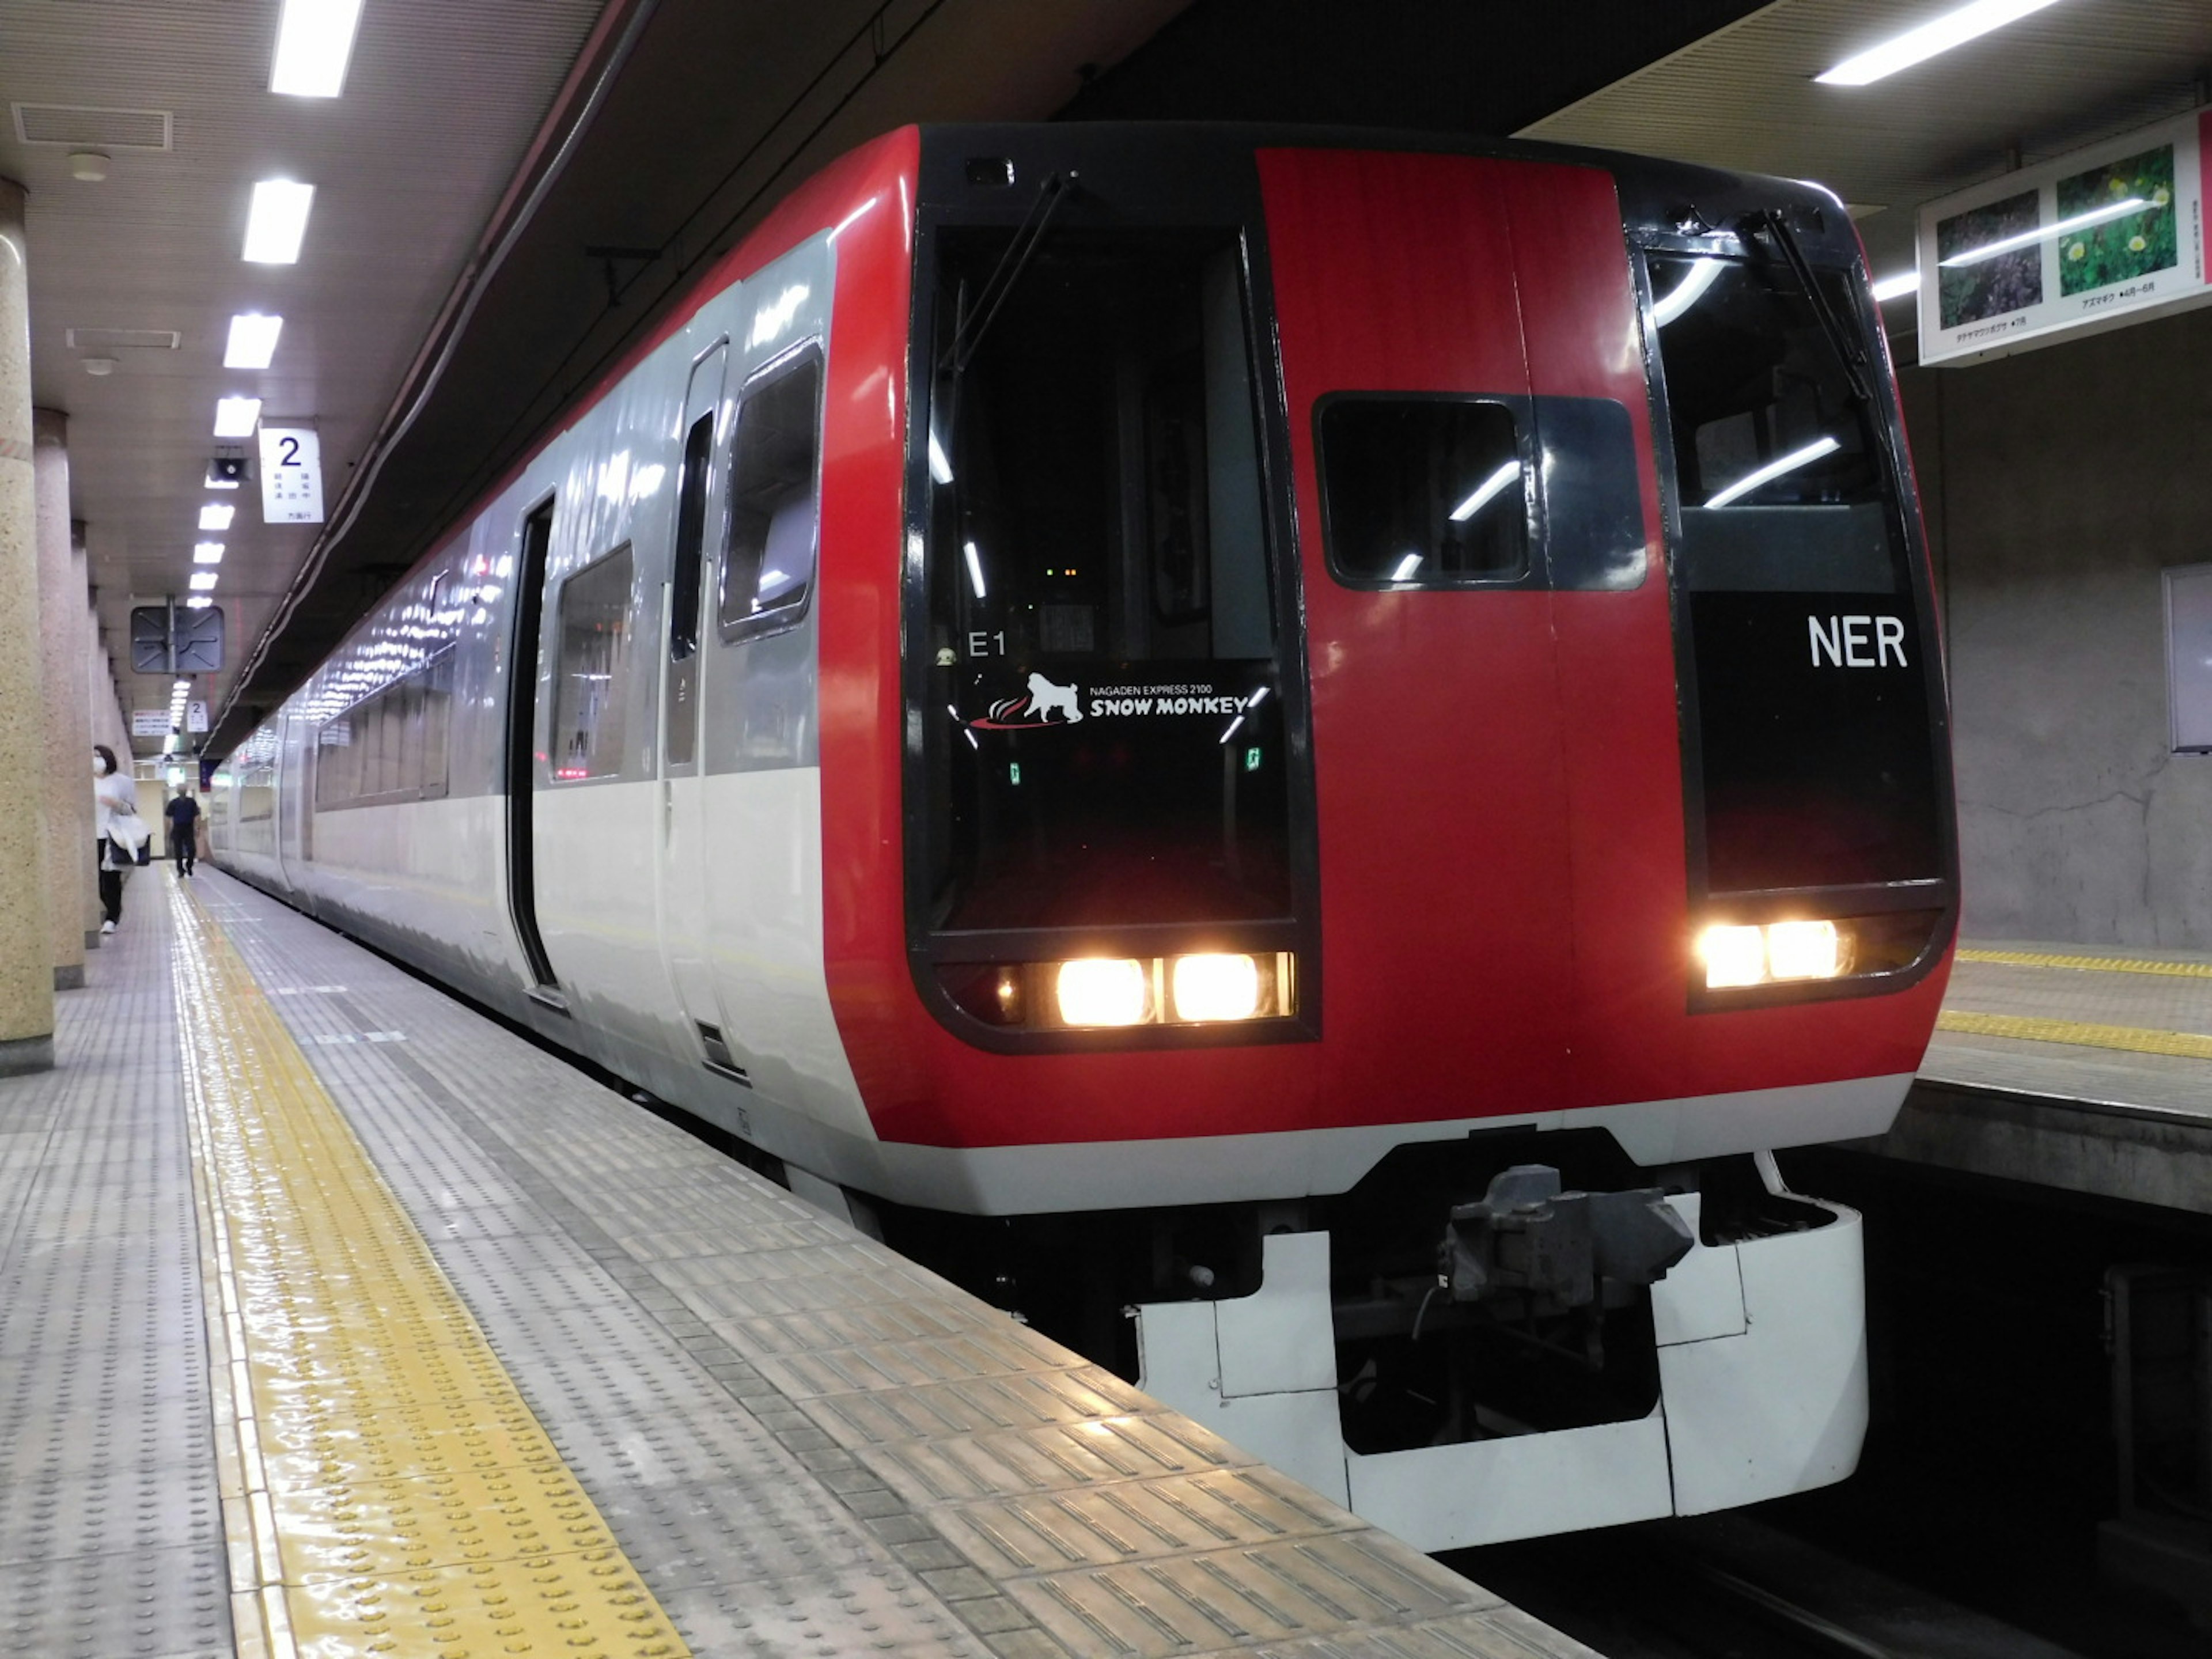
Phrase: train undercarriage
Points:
(1512, 1336)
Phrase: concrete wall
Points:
(2056, 485)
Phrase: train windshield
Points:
(1783, 487)
(1101, 729)
(1813, 733)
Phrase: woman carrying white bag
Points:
(120, 835)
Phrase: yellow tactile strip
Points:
(2142, 1040)
(386, 1490)
(2090, 964)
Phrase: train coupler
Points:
(1525, 1237)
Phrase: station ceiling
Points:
(457, 291)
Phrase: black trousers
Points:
(183, 843)
(110, 885)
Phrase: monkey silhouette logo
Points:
(1045, 697)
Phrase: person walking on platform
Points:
(114, 817)
(184, 816)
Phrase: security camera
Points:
(226, 471)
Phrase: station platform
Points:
(2071, 1067)
(336, 1319)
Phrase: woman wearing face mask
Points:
(112, 796)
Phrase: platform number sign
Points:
(291, 475)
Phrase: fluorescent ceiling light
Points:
(1954, 28)
(205, 580)
(975, 568)
(1685, 292)
(1484, 492)
(276, 222)
(1896, 287)
(1406, 567)
(199, 602)
(252, 339)
(236, 417)
(940, 468)
(207, 552)
(1773, 470)
(180, 686)
(314, 37)
(2046, 233)
(217, 515)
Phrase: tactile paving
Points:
(365, 1512)
(805, 1444)
(2105, 1024)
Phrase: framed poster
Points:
(2103, 236)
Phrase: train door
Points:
(523, 690)
(685, 832)
(295, 800)
(1437, 727)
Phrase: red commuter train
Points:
(1296, 752)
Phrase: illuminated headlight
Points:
(1103, 991)
(1220, 987)
(1779, 952)
(1734, 955)
(1206, 987)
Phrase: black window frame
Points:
(1521, 409)
(1939, 896)
(624, 550)
(761, 624)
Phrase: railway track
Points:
(1728, 1587)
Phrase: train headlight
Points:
(1733, 956)
(1804, 950)
(1215, 987)
(1201, 987)
(1103, 991)
(1780, 951)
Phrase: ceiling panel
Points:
(440, 101)
(1744, 97)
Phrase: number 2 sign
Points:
(291, 475)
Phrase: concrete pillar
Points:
(26, 978)
(69, 723)
(84, 629)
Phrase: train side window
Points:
(592, 670)
(336, 763)
(1422, 492)
(774, 500)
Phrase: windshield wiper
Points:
(967, 336)
(1848, 347)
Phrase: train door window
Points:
(437, 723)
(680, 719)
(592, 669)
(1101, 731)
(336, 762)
(407, 704)
(369, 739)
(1422, 492)
(774, 500)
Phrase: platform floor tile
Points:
(2119, 1025)
(806, 1444)
(111, 1526)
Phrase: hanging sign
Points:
(149, 722)
(291, 475)
(2107, 236)
(196, 717)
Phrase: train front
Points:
(1422, 762)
